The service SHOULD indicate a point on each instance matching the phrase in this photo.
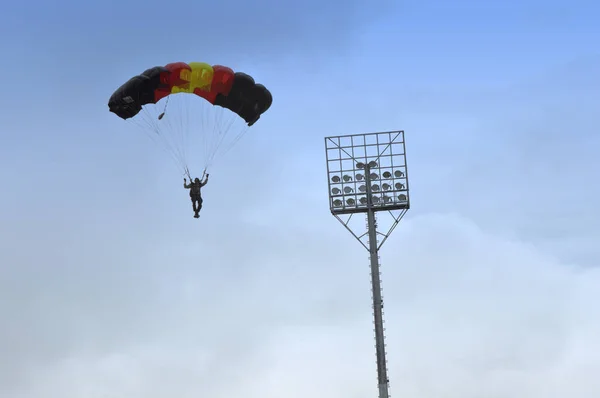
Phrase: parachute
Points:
(213, 103)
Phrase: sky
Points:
(110, 288)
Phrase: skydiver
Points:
(195, 194)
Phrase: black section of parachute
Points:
(246, 98)
(127, 100)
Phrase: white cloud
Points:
(468, 314)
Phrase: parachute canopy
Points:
(216, 106)
(217, 84)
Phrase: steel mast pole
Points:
(382, 377)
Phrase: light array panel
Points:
(356, 163)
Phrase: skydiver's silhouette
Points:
(195, 194)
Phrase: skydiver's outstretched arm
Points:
(185, 184)
(205, 180)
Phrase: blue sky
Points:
(109, 287)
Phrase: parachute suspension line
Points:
(222, 134)
(176, 129)
(217, 132)
(180, 129)
(235, 140)
(230, 129)
(227, 127)
(212, 128)
(186, 124)
(166, 104)
(150, 125)
(175, 146)
(164, 109)
(208, 132)
(205, 134)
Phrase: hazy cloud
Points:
(468, 313)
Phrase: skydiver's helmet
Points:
(196, 180)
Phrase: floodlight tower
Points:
(367, 174)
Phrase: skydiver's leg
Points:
(197, 207)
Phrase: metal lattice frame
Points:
(367, 174)
(349, 156)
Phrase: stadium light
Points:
(366, 173)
